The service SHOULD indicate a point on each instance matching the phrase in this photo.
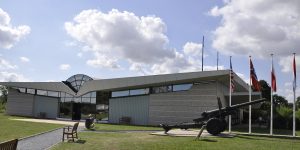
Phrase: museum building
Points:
(142, 100)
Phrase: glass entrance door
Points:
(76, 111)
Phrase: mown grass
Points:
(112, 127)
(263, 130)
(11, 129)
(145, 141)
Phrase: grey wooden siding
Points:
(19, 104)
(183, 106)
(49, 105)
(135, 107)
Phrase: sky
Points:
(51, 40)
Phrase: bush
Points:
(2, 107)
(284, 118)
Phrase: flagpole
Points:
(218, 60)
(294, 90)
(271, 119)
(250, 98)
(202, 51)
(230, 91)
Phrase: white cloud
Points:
(287, 91)
(117, 37)
(12, 77)
(64, 67)
(191, 48)
(24, 59)
(256, 27)
(9, 35)
(4, 64)
(121, 35)
(286, 64)
(103, 61)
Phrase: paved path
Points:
(42, 141)
(65, 122)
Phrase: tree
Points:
(3, 94)
(265, 90)
(279, 100)
(265, 93)
(298, 102)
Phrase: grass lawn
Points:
(145, 141)
(264, 130)
(111, 127)
(11, 129)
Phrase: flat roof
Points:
(136, 82)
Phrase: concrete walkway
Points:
(51, 121)
(45, 140)
(41, 142)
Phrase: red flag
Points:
(253, 77)
(273, 78)
(294, 69)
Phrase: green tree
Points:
(279, 100)
(265, 93)
(265, 90)
(3, 94)
(298, 102)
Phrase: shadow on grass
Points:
(78, 141)
(207, 140)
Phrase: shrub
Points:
(283, 118)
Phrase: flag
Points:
(294, 69)
(273, 78)
(232, 86)
(253, 77)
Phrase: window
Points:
(68, 99)
(31, 91)
(93, 94)
(22, 90)
(120, 93)
(93, 100)
(62, 94)
(52, 93)
(139, 91)
(86, 100)
(77, 99)
(162, 89)
(182, 87)
(41, 92)
(87, 95)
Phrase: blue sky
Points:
(50, 40)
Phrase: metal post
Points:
(218, 60)
(250, 99)
(230, 91)
(271, 118)
(294, 90)
(202, 51)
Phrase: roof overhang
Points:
(221, 76)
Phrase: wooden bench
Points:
(9, 145)
(70, 132)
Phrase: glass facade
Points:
(84, 105)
